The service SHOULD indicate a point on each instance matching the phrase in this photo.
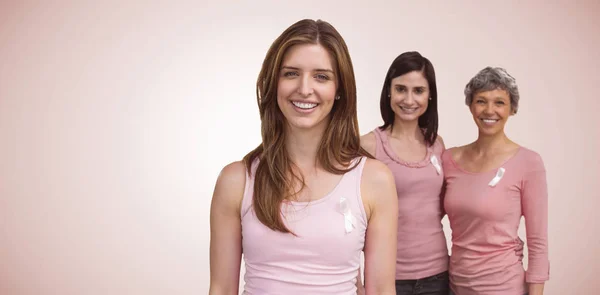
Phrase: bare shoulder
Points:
(369, 143)
(376, 171)
(233, 171)
(378, 186)
(230, 185)
(441, 140)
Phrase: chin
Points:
(488, 131)
(304, 124)
(301, 125)
(407, 118)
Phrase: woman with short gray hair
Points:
(490, 79)
(490, 184)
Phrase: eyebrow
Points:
(493, 98)
(400, 84)
(316, 70)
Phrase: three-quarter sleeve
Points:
(535, 210)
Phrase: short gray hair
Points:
(492, 78)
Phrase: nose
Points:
(409, 97)
(489, 109)
(305, 88)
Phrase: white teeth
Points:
(489, 121)
(409, 109)
(304, 105)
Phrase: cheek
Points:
(280, 96)
(283, 93)
(474, 110)
(284, 89)
(279, 101)
(328, 92)
(396, 98)
(424, 99)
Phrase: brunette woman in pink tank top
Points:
(409, 145)
(302, 206)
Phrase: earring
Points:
(430, 98)
(337, 97)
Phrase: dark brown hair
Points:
(405, 63)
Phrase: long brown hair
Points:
(340, 144)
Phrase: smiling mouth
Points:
(489, 121)
(305, 105)
(409, 110)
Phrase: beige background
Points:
(116, 118)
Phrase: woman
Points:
(409, 145)
(302, 206)
(490, 184)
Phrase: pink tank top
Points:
(323, 258)
(422, 249)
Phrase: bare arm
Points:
(360, 288)
(536, 289)
(378, 190)
(225, 231)
(443, 192)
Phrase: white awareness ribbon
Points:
(497, 178)
(436, 164)
(349, 219)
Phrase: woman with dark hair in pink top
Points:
(409, 145)
(490, 184)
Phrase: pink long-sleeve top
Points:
(485, 218)
(422, 249)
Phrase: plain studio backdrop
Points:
(116, 118)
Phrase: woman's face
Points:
(490, 110)
(307, 86)
(409, 96)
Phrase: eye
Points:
(322, 77)
(400, 89)
(290, 74)
(480, 101)
(419, 90)
(500, 102)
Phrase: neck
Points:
(406, 130)
(486, 144)
(303, 145)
